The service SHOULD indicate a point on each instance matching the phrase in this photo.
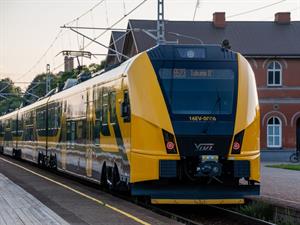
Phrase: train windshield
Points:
(198, 91)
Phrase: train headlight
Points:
(237, 143)
(169, 142)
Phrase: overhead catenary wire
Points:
(38, 61)
(292, 10)
(85, 13)
(117, 22)
(196, 8)
(53, 42)
(125, 56)
(256, 9)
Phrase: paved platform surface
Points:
(19, 207)
(75, 202)
(280, 185)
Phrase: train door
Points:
(124, 118)
(62, 162)
(89, 134)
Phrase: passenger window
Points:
(112, 108)
(105, 108)
(125, 107)
(71, 131)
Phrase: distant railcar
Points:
(178, 124)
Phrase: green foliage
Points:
(286, 166)
(92, 68)
(10, 96)
(37, 88)
(258, 210)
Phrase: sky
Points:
(31, 37)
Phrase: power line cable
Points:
(124, 7)
(117, 22)
(292, 10)
(196, 8)
(257, 9)
(38, 61)
(85, 13)
(106, 13)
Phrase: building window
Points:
(274, 74)
(274, 132)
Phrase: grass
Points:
(259, 210)
(286, 166)
(266, 212)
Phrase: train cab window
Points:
(105, 108)
(112, 107)
(125, 107)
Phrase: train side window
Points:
(20, 126)
(57, 111)
(125, 107)
(98, 111)
(1, 129)
(112, 107)
(71, 131)
(105, 108)
(68, 131)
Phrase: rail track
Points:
(186, 214)
(206, 215)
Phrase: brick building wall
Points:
(281, 101)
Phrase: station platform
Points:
(280, 186)
(19, 207)
(30, 195)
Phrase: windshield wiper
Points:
(212, 111)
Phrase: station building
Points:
(271, 47)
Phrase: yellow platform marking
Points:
(82, 194)
(198, 201)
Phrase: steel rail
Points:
(221, 212)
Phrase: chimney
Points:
(219, 19)
(283, 18)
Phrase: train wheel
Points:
(103, 180)
(53, 162)
(115, 176)
(40, 160)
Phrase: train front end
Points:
(195, 126)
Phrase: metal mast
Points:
(48, 78)
(160, 22)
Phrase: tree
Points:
(92, 68)
(37, 88)
(10, 96)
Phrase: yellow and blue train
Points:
(178, 124)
